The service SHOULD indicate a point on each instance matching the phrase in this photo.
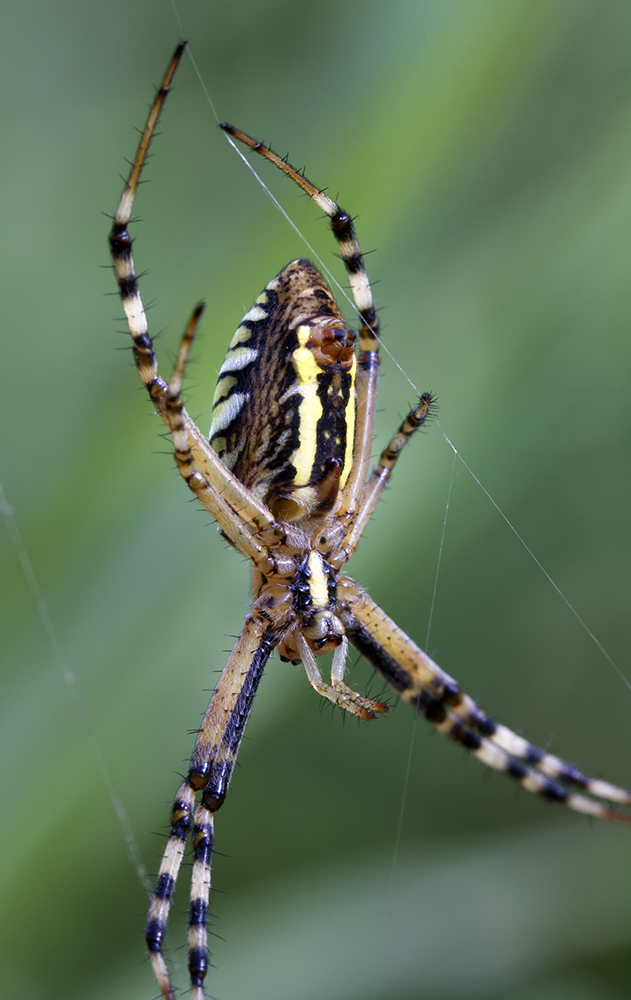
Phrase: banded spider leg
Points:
(286, 478)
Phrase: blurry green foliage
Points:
(485, 147)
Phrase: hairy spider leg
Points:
(254, 515)
(380, 476)
(239, 533)
(211, 768)
(498, 744)
(368, 362)
(279, 549)
(437, 696)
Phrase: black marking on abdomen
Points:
(334, 389)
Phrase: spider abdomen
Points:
(284, 407)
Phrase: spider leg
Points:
(120, 241)
(239, 533)
(246, 508)
(211, 768)
(380, 476)
(181, 823)
(422, 683)
(368, 363)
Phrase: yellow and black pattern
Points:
(286, 477)
(284, 407)
(438, 697)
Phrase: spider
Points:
(285, 475)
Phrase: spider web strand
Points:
(537, 562)
(70, 680)
(408, 769)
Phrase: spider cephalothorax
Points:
(286, 477)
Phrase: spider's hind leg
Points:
(368, 362)
(121, 242)
(245, 519)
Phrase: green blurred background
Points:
(485, 146)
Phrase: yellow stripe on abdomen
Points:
(310, 409)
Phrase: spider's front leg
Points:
(421, 682)
(211, 768)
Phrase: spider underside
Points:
(286, 477)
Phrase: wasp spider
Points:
(285, 476)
